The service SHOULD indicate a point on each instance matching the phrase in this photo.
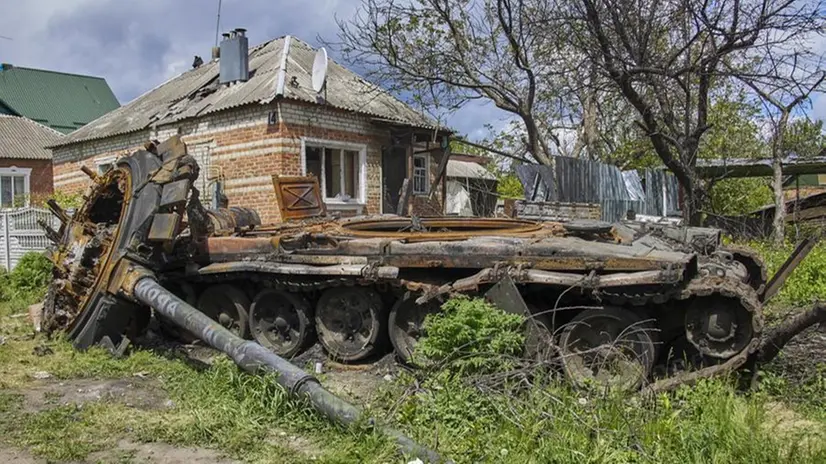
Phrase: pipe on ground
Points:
(254, 358)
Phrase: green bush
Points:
(31, 275)
(65, 200)
(806, 284)
(471, 334)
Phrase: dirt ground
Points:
(127, 451)
(136, 392)
(358, 383)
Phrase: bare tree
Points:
(449, 52)
(665, 57)
(792, 78)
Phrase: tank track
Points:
(701, 286)
(698, 287)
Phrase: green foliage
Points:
(804, 137)
(733, 132)
(734, 197)
(509, 186)
(471, 334)
(65, 200)
(32, 273)
(807, 283)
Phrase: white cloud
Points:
(138, 45)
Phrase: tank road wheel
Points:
(406, 325)
(118, 212)
(351, 323)
(718, 327)
(228, 306)
(754, 266)
(609, 347)
(281, 322)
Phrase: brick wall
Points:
(68, 177)
(245, 148)
(40, 180)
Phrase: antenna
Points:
(218, 23)
(320, 70)
(4, 37)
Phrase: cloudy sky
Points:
(137, 45)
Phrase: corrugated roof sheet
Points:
(59, 100)
(197, 93)
(793, 164)
(22, 138)
(586, 181)
(468, 169)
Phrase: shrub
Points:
(471, 334)
(807, 283)
(66, 200)
(31, 275)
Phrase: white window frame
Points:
(26, 173)
(361, 196)
(426, 183)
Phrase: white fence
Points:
(20, 233)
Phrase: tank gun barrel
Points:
(254, 358)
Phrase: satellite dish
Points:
(320, 70)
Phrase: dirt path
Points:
(136, 392)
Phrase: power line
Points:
(4, 37)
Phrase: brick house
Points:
(25, 166)
(253, 113)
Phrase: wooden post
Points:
(404, 198)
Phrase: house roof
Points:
(59, 100)
(22, 138)
(197, 92)
(468, 169)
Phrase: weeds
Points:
(473, 335)
(806, 284)
(535, 417)
(451, 407)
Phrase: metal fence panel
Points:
(650, 191)
(20, 233)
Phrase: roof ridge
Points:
(87, 76)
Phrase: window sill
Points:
(334, 204)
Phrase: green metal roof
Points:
(58, 100)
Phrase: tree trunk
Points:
(589, 129)
(779, 223)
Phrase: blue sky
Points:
(137, 45)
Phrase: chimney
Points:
(234, 57)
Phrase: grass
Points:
(469, 418)
(246, 417)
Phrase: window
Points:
(104, 167)
(339, 169)
(420, 177)
(14, 187)
(105, 164)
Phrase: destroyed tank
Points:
(608, 302)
